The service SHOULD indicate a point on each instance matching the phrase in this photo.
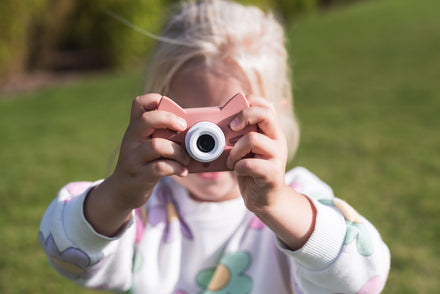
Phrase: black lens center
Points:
(205, 143)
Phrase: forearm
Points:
(291, 217)
(103, 213)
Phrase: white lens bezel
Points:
(205, 128)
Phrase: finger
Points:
(163, 120)
(254, 100)
(263, 117)
(157, 148)
(152, 120)
(165, 167)
(254, 167)
(252, 143)
(144, 103)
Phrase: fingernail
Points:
(234, 123)
(182, 123)
(184, 172)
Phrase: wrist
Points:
(291, 216)
(270, 201)
(126, 193)
(114, 195)
(102, 211)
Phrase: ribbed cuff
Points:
(325, 243)
(80, 231)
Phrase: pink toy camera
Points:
(208, 138)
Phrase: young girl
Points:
(151, 227)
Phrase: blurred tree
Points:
(47, 32)
(81, 35)
(17, 20)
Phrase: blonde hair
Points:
(212, 31)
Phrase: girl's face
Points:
(202, 86)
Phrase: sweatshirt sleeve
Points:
(77, 251)
(344, 254)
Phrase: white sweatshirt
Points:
(177, 245)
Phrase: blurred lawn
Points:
(367, 97)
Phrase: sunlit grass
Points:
(366, 85)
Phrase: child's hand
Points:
(142, 162)
(291, 216)
(260, 178)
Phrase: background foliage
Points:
(79, 34)
(16, 18)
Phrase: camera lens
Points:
(206, 143)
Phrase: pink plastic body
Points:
(221, 116)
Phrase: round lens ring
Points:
(205, 141)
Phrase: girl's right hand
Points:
(142, 162)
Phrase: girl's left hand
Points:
(260, 178)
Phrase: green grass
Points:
(367, 98)
(48, 138)
(367, 95)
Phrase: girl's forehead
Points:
(203, 86)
